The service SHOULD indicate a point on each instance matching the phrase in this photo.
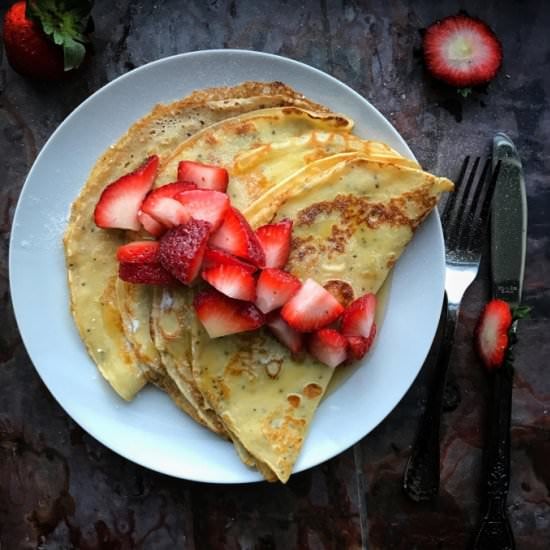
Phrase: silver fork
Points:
(464, 220)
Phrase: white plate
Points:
(150, 430)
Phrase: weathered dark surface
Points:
(59, 488)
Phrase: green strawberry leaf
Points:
(521, 312)
(67, 23)
(464, 92)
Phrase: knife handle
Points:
(421, 476)
(495, 531)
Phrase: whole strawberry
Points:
(44, 39)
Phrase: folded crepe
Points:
(355, 204)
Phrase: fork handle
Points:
(421, 477)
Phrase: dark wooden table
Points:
(59, 488)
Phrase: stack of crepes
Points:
(354, 203)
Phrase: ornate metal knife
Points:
(508, 243)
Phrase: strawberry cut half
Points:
(214, 257)
(236, 237)
(182, 249)
(311, 308)
(119, 202)
(358, 346)
(275, 241)
(328, 346)
(462, 51)
(138, 252)
(491, 334)
(145, 274)
(289, 337)
(151, 225)
(203, 204)
(358, 317)
(205, 176)
(232, 280)
(161, 205)
(274, 289)
(221, 315)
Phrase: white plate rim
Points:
(330, 412)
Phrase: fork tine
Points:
(483, 207)
(459, 216)
(451, 201)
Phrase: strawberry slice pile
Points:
(197, 235)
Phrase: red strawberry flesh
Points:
(236, 237)
(311, 308)
(205, 176)
(275, 288)
(232, 280)
(491, 334)
(358, 317)
(462, 51)
(139, 252)
(161, 205)
(146, 273)
(328, 346)
(221, 315)
(358, 346)
(214, 257)
(151, 225)
(275, 241)
(182, 249)
(120, 201)
(289, 337)
(207, 205)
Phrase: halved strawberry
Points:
(289, 337)
(275, 288)
(232, 280)
(236, 237)
(221, 315)
(161, 205)
(206, 176)
(358, 346)
(138, 252)
(311, 308)
(358, 317)
(275, 241)
(328, 346)
(119, 203)
(214, 257)
(151, 225)
(204, 204)
(462, 51)
(145, 273)
(491, 335)
(182, 249)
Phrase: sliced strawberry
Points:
(236, 237)
(221, 315)
(232, 280)
(311, 308)
(275, 241)
(119, 203)
(491, 335)
(358, 346)
(275, 288)
(203, 204)
(151, 225)
(328, 346)
(138, 252)
(214, 257)
(205, 176)
(145, 273)
(462, 51)
(358, 317)
(182, 249)
(289, 337)
(161, 205)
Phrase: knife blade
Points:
(508, 244)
